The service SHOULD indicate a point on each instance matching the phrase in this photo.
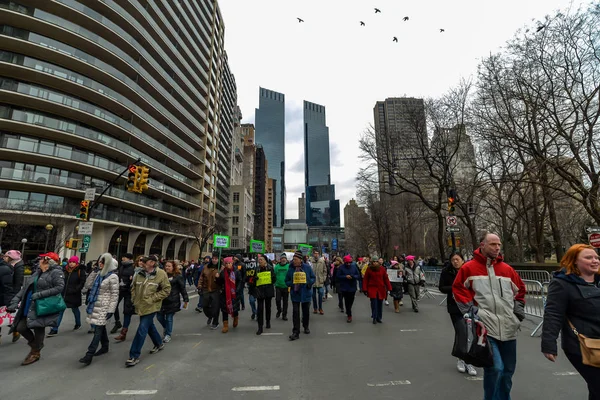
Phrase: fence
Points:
(535, 300)
(532, 275)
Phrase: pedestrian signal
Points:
(132, 179)
(84, 210)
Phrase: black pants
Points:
(588, 373)
(34, 337)
(296, 316)
(348, 301)
(126, 297)
(282, 295)
(100, 337)
(226, 316)
(210, 305)
(260, 312)
(341, 300)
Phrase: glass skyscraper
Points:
(322, 209)
(270, 133)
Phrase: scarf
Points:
(94, 291)
(297, 285)
(229, 290)
(69, 269)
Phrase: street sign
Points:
(221, 241)
(334, 244)
(451, 220)
(90, 194)
(85, 228)
(594, 239)
(86, 242)
(452, 229)
(257, 246)
(592, 229)
(83, 250)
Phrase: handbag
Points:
(48, 305)
(471, 343)
(590, 348)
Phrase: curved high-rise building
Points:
(88, 87)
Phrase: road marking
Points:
(390, 383)
(340, 333)
(254, 388)
(410, 330)
(131, 392)
(149, 367)
(271, 334)
(193, 296)
(188, 334)
(567, 373)
(474, 378)
(197, 344)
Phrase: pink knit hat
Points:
(13, 254)
(228, 260)
(408, 258)
(347, 259)
(74, 259)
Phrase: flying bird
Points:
(395, 39)
(362, 23)
(300, 19)
(539, 28)
(377, 10)
(442, 30)
(405, 19)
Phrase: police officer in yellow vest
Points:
(265, 291)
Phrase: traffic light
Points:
(143, 181)
(132, 179)
(72, 243)
(84, 210)
(451, 201)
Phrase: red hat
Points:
(360, 258)
(52, 256)
(347, 259)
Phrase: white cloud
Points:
(333, 61)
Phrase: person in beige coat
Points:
(102, 302)
(320, 268)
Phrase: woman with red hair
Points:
(572, 308)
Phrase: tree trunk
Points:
(441, 238)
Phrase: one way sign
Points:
(592, 229)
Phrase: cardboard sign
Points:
(257, 246)
(6, 319)
(299, 278)
(395, 275)
(221, 241)
(263, 278)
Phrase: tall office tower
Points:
(228, 115)
(269, 207)
(322, 209)
(261, 181)
(302, 207)
(270, 133)
(90, 87)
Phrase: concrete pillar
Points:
(178, 242)
(192, 250)
(133, 236)
(166, 241)
(149, 239)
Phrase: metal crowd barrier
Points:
(540, 276)
(535, 300)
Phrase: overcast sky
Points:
(333, 61)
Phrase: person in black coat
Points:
(6, 288)
(125, 273)
(74, 282)
(574, 298)
(231, 279)
(446, 280)
(172, 303)
(265, 291)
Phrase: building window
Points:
(236, 197)
(234, 231)
(235, 220)
(236, 209)
(234, 243)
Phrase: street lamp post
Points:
(3, 224)
(23, 241)
(49, 228)
(119, 240)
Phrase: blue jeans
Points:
(200, 297)
(166, 320)
(76, 314)
(100, 336)
(126, 321)
(318, 301)
(497, 380)
(252, 301)
(376, 309)
(145, 328)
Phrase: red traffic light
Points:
(132, 168)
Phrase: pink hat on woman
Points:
(74, 259)
(13, 254)
(228, 260)
(408, 258)
(347, 259)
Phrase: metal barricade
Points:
(432, 279)
(535, 300)
(540, 275)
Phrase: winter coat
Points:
(446, 280)
(414, 275)
(18, 276)
(148, 290)
(108, 295)
(334, 276)
(126, 272)
(251, 278)
(376, 283)
(397, 291)
(49, 283)
(304, 295)
(74, 282)
(265, 290)
(6, 282)
(320, 268)
(280, 274)
(172, 303)
(239, 288)
(208, 279)
(494, 291)
(343, 283)
(570, 298)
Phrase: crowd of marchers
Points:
(484, 289)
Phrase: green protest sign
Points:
(257, 246)
(220, 241)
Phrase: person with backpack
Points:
(74, 282)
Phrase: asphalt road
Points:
(406, 357)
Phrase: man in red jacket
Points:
(492, 291)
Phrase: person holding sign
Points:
(396, 276)
(300, 278)
(265, 291)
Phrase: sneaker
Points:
(278, 314)
(461, 366)
(77, 327)
(349, 319)
(132, 361)
(401, 303)
(156, 349)
(198, 309)
(253, 316)
(90, 331)
(387, 303)
(52, 333)
(284, 318)
(167, 339)
(471, 370)
(213, 327)
(209, 321)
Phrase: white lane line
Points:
(131, 392)
(271, 334)
(188, 334)
(410, 330)
(340, 333)
(390, 383)
(474, 378)
(567, 373)
(254, 388)
(193, 296)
